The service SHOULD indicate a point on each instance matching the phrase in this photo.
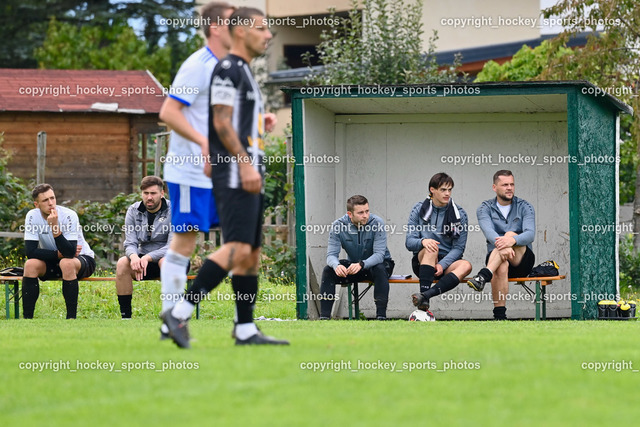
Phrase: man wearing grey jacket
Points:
(363, 236)
(509, 225)
(437, 236)
(147, 227)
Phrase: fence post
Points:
(42, 156)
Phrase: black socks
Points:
(30, 294)
(70, 290)
(500, 313)
(445, 284)
(125, 306)
(246, 291)
(209, 276)
(425, 276)
(486, 273)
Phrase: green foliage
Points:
(106, 48)
(629, 269)
(526, 64)
(16, 196)
(23, 24)
(379, 45)
(276, 191)
(628, 160)
(279, 261)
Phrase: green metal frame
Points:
(592, 264)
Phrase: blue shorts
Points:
(192, 208)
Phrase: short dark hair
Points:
(440, 179)
(356, 200)
(243, 14)
(151, 180)
(39, 189)
(212, 13)
(501, 172)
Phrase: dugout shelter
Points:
(560, 140)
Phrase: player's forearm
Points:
(228, 136)
(66, 247)
(32, 251)
(171, 114)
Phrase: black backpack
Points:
(546, 269)
(12, 271)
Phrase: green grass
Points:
(509, 373)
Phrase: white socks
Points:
(245, 330)
(173, 275)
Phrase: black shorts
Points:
(241, 215)
(415, 264)
(87, 267)
(525, 266)
(153, 270)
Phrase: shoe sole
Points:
(472, 286)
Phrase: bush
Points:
(629, 269)
(279, 261)
(16, 196)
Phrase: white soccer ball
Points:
(422, 316)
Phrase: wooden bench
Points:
(12, 291)
(540, 293)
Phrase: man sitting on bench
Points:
(509, 225)
(364, 239)
(146, 228)
(55, 248)
(437, 236)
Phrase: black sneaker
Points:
(381, 317)
(477, 283)
(259, 339)
(420, 301)
(325, 318)
(164, 335)
(178, 329)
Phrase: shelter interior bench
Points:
(12, 291)
(540, 292)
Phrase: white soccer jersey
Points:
(183, 164)
(37, 228)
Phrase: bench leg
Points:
(7, 305)
(537, 301)
(541, 301)
(543, 293)
(16, 300)
(356, 295)
(350, 301)
(15, 294)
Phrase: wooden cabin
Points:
(100, 127)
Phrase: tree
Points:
(104, 48)
(607, 60)
(24, 24)
(379, 43)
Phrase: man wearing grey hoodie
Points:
(509, 225)
(363, 236)
(437, 236)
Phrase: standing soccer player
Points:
(237, 151)
(186, 111)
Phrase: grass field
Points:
(55, 372)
